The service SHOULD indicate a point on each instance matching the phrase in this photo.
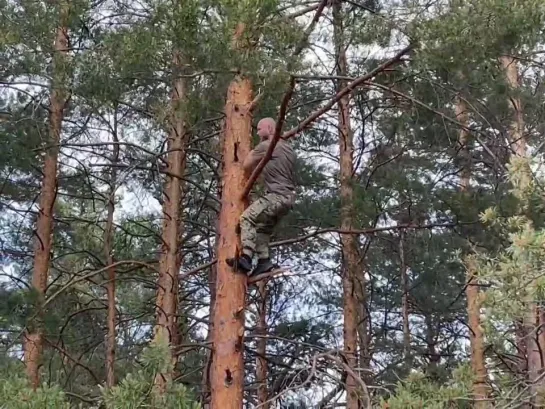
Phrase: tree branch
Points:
(348, 89)
(309, 120)
(442, 115)
(285, 101)
(317, 232)
(278, 129)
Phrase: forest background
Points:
(415, 249)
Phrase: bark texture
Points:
(531, 318)
(33, 337)
(351, 265)
(172, 229)
(227, 372)
(516, 129)
(476, 336)
(108, 244)
(405, 299)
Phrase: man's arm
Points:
(255, 156)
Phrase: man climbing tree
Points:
(258, 221)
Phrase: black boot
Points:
(264, 265)
(243, 264)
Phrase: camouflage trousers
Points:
(258, 221)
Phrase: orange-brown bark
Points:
(531, 318)
(476, 335)
(172, 228)
(33, 338)
(261, 350)
(205, 394)
(108, 243)
(227, 372)
(351, 266)
(516, 131)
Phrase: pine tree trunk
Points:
(476, 336)
(33, 338)
(172, 229)
(405, 300)
(351, 266)
(531, 317)
(533, 352)
(364, 355)
(205, 394)
(261, 361)
(516, 131)
(431, 343)
(227, 374)
(212, 277)
(520, 343)
(108, 244)
(541, 334)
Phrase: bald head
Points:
(265, 128)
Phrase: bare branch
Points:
(309, 120)
(318, 232)
(285, 101)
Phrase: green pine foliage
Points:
(407, 166)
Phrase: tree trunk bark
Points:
(212, 274)
(364, 353)
(531, 317)
(476, 336)
(516, 131)
(351, 266)
(405, 299)
(520, 342)
(227, 374)
(261, 362)
(172, 229)
(33, 338)
(212, 277)
(541, 334)
(108, 244)
(431, 343)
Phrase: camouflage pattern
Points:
(258, 221)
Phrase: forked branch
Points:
(314, 116)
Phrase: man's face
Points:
(264, 130)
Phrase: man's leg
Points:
(249, 221)
(262, 241)
(276, 208)
(264, 263)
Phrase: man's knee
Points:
(252, 214)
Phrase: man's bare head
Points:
(265, 128)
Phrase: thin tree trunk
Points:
(261, 362)
(530, 322)
(351, 265)
(541, 334)
(433, 357)
(520, 342)
(531, 317)
(516, 131)
(364, 353)
(108, 244)
(172, 229)
(405, 299)
(33, 338)
(227, 374)
(212, 274)
(476, 336)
